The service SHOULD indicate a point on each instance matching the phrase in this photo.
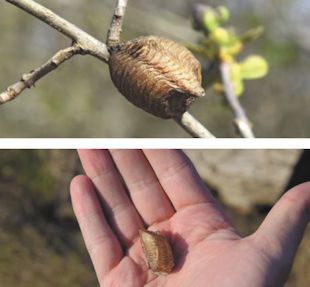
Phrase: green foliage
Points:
(213, 18)
(223, 14)
(236, 76)
(222, 44)
(210, 21)
(252, 34)
(254, 67)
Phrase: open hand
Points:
(164, 192)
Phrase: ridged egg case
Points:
(157, 75)
(157, 252)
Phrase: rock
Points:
(245, 178)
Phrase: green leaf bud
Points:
(254, 67)
(223, 14)
(252, 34)
(238, 87)
(235, 71)
(221, 36)
(210, 20)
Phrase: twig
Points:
(83, 43)
(115, 29)
(241, 121)
(88, 44)
(28, 80)
(193, 127)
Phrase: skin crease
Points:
(168, 195)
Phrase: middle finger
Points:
(118, 208)
(145, 189)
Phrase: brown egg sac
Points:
(157, 252)
(157, 75)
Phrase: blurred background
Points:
(40, 241)
(79, 99)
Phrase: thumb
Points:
(282, 230)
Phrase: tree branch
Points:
(88, 44)
(28, 80)
(83, 43)
(115, 29)
(242, 123)
(193, 127)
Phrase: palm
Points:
(207, 249)
(189, 246)
(197, 259)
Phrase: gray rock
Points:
(245, 178)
